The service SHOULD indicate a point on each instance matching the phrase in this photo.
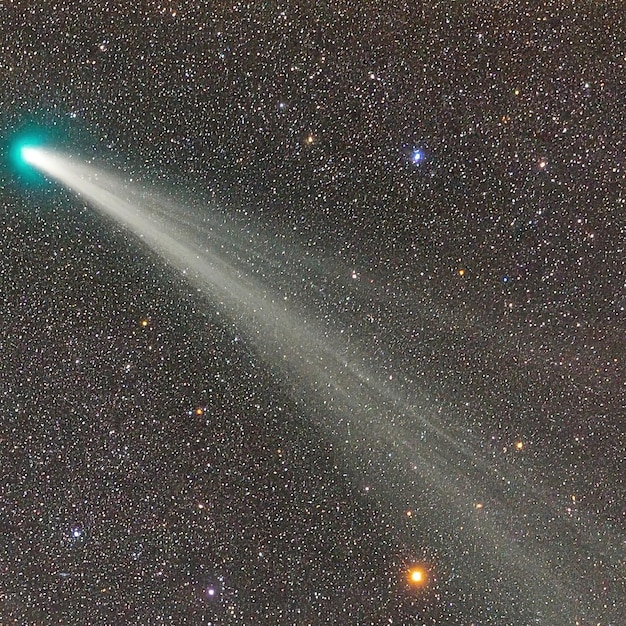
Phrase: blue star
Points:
(77, 532)
(417, 156)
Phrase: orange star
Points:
(417, 576)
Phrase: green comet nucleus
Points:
(20, 150)
(18, 154)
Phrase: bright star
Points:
(417, 577)
(417, 156)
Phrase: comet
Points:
(33, 156)
(374, 420)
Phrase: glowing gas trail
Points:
(375, 420)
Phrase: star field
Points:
(437, 192)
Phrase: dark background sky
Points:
(162, 472)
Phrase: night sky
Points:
(434, 193)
